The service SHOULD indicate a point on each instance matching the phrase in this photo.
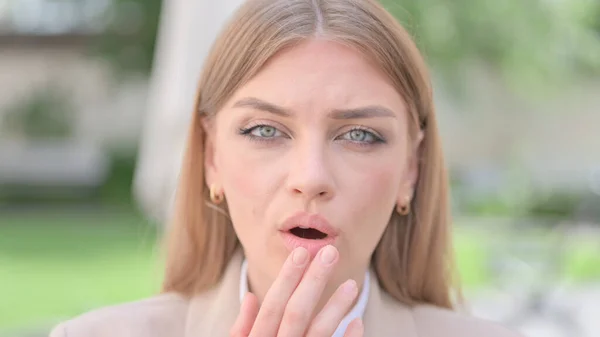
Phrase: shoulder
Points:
(163, 315)
(432, 321)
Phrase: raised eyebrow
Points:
(362, 112)
(258, 104)
(371, 111)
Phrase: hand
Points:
(289, 304)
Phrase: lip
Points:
(307, 220)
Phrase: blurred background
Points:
(96, 95)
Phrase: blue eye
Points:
(265, 131)
(358, 135)
(261, 132)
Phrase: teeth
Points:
(304, 227)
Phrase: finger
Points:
(245, 320)
(355, 329)
(334, 311)
(273, 306)
(301, 305)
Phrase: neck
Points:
(259, 283)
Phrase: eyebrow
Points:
(257, 104)
(370, 111)
(364, 112)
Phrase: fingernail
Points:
(349, 287)
(328, 255)
(300, 256)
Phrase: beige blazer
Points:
(212, 314)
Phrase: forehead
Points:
(318, 75)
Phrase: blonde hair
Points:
(413, 260)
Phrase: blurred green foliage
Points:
(45, 114)
(117, 190)
(560, 205)
(528, 43)
(593, 18)
(129, 41)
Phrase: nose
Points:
(310, 173)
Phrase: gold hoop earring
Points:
(404, 209)
(215, 197)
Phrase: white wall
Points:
(107, 113)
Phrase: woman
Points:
(313, 188)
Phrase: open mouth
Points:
(308, 233)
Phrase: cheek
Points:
(380, 187)
(244, 182)
(245, 177)
(375, 186)
(374, 198)
(246, 188)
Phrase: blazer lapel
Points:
(386, 317)
(213, 313)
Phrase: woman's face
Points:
(314, 150)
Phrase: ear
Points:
(411, 173)
(210, 167)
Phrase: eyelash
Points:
(376, 138)
(247, 132)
